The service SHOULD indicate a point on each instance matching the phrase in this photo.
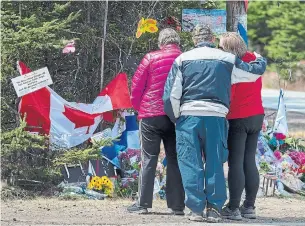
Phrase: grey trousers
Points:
(152, 131)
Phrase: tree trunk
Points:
(103, 43)
(236, 12)
(20, 10)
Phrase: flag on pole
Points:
(68, 123)
(280, 125)
(242, 32)
(129, 139)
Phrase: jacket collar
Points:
(205, 44)
(170, 46)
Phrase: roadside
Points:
(113, 212)
(294, 101)
(295, 120)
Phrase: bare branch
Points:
(11, 108)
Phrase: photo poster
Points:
(215, 18)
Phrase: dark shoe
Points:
(135, 208)
(177, 212)
(195, 217)
(213, 216)
(231, 214)
(248, 212)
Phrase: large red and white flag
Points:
(68, 123)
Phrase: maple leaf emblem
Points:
(79, 118)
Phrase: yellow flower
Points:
(148, 25)
(90, 186)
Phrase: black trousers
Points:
(152, 131)
(243, 173)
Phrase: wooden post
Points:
(103, 43)
(236, 12)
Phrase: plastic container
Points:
(95, 194)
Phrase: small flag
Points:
(242, 32)
(280, 125)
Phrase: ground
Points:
(271, 211)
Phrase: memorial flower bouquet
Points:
(130, 164)
(101, 184)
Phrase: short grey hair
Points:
(202, 33)
(168, 36)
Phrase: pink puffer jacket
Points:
(149, 80)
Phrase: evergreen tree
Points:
(279, 29)
(32, 32)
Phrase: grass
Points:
(297, 134)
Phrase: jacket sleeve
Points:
(139, 82)
(248, 72)
(173, 92)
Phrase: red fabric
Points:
(79, 118)
(246, 98)
(35, 106)
(118, 91)
(149, 80)
(246, 5)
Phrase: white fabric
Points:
(63, 133)
(239, 75)
(117, 128)
(176, 94)
(280, 125)
(206, 53)
(204, 108)
(133, 141)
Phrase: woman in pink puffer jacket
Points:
(146, 96)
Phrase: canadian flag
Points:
(68, 123)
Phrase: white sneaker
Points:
(196, 217)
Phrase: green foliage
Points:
(264, 167)
(28, 35)
(32, 32)
(76, 155)
(279, 29)
(126, 191)
(25, 156)
(295, 143)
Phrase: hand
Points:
(257, 55)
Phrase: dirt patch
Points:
(271, 81)
(113, 212)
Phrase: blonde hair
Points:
(233, 43)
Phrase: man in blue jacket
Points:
(197, 98)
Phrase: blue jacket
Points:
(200, 80)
